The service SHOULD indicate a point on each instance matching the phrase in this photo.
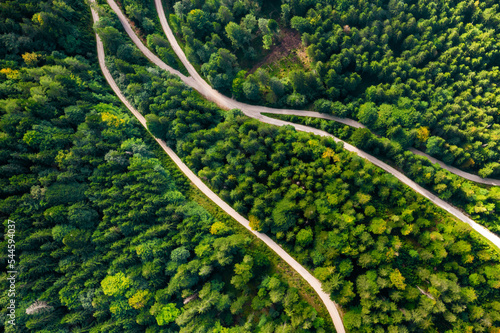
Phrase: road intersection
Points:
(196, 82)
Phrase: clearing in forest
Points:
(286, 55)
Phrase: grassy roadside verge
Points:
(167, 8)
(287, 274)
(177, 64)
(278, 265)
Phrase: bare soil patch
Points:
(289, 41)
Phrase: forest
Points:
(421, 73)
(110, 238)
(370, 240)
(392, 260)
(482, 203)
(142, 14)
(107, 238)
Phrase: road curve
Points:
(355, 124)
(458, 172)
(228, 103)
(313, 282)
(256, 112)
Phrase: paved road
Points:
(315, 283)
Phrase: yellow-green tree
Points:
(165, 314)
(139, 299)
(397, 279)
(113, 285)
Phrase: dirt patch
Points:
(289, 41)
(304, 58)
(135, 28)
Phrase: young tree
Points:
(284, 215)
(304, 237)
(114, 285)
(435, 146)
(237, 34)
(221, 69)
(199, 22)
(368, 114)
(243, 272)
(224, 15)
(165, 314)
(251, 89)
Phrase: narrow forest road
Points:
(254, 111)
(304, 273)
(355, 124)
(458, 172)
(197, 83)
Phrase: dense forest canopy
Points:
(481, 203)
(106, 239)
(422, 73)
(369, 239)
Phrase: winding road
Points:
(304, 273)
(255, 111)
(355, 124)
(196, 82)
